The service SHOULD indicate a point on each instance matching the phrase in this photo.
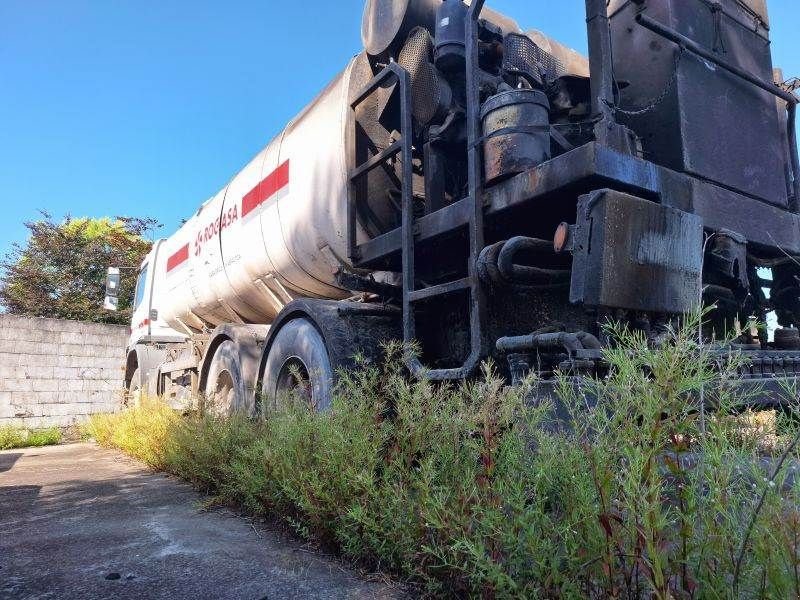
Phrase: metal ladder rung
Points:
(376, 160)
(439, 290)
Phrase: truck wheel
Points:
(298, 367)
(224, 389)
(134, 395)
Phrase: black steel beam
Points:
(440, 290)
(376, 160)
(594, 166)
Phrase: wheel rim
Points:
(294, 382)
(222, 394)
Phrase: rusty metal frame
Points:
(477, 299)
(403, 147)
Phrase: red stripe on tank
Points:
(268, 187)
(177, 259)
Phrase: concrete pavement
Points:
(77, 521)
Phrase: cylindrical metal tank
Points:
(275, 232)
(515, 125)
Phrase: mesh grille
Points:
(416, 58)
(523, 57)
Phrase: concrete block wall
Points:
(56, 373)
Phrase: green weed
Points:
(17, 437)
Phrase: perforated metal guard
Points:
(523, 57)
(416, 57)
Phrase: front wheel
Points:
(298, 368)
(224, 390)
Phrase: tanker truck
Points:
(482, 191)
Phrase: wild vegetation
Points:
(19, 437)
(60, 271)
(468, 489)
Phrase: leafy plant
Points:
(17, 437)
(60, 272)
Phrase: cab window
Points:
(141, 282)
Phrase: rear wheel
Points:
(298, 368)
(224, 389)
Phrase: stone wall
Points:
(56, 373)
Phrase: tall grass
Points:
(144, 431)
(18, 437)
(472, 490)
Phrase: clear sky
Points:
(146, 108)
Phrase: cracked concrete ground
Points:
(77, 521)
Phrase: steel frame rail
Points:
(477, 298)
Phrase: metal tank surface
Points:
(516, 128)
(275, 232)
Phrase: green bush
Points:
(469, 490)
(144, 431)
(15, 437)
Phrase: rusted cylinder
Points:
(516, 133)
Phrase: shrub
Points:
(470, 489)
(144, 432)
(15, 437)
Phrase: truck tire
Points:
(133, 396)
(224, 392)
(298, 367)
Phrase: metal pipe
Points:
(517, 273)
(571, 342)
(474, 174)
(600, 58)
(526, 343)
(589, 341)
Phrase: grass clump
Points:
(144, 431)
(17, 437)
(473, 490)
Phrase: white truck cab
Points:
(146, 323)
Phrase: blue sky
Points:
(146, 108)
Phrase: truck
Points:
(479, 191)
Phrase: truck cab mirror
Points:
(112, 289)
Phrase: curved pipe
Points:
(474, 177)
(518, 273)
(589, 341)
(526, 343)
